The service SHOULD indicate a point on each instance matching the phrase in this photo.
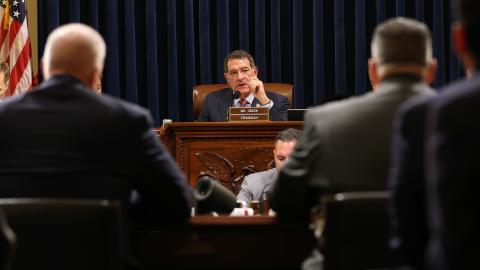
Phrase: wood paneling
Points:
(226, 150)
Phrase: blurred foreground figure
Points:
(63, 140)
(453, 156)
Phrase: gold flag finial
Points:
(6, 15)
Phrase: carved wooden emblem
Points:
(223, 170)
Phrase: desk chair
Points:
(59, 234)
(202, 90)
(356, 231)
(7, 243)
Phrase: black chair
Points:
(64, 233)
(7, 243)
(357, 231)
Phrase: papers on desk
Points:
(240, 212)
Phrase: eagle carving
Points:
(223, 170)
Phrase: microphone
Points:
(236, 94)
(210, 195)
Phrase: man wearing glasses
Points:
(246, 90)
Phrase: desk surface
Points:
(232, 221)
(258, 242)
(242, 126)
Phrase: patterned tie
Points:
(243, 102)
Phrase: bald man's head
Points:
(74, 49)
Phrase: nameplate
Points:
(248, 114)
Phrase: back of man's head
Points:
(468, 11)
(402, 41)
(74, 49)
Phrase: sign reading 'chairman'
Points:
(248, 114)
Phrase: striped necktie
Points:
(243, 102)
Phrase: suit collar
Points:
(61, 80)
(226, 102)
(408, 77)
(269, 179)
(392, 83)
(255, 102)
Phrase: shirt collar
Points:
(249, 98)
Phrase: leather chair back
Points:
(357, 230)
(202, 90)
(65, 233)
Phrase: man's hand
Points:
(257, 89)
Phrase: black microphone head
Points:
(236, 94)
(210, 195)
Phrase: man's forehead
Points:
(284, 145)
(241, 61)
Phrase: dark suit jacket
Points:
(345, 146)
(216, 104)
(454, 176)
(407, 182)
(63, 140)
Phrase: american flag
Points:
(15, 45)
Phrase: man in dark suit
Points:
(63, 140)
(407, 182)
(345, 145)
(453, 156)
(246, 90)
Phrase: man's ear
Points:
(94, 77)
(373, 73)
(459, 35)
(431, 71)
(42, 69)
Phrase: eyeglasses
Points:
(236, 73)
